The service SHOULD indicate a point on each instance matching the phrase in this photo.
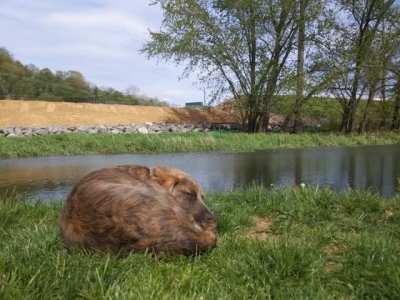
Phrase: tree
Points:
(395, 71)
(376, 69)
(396, 105)
(241, 47)
(314, 72)
(301, 40)
(358, 25)
(11, 72)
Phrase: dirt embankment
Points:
(41, 113)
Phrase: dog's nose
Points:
(203, 216)
(210, 217)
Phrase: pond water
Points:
(341, 168)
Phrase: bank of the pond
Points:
(283, 244)
(74, 144)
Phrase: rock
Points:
(143, 130)
(7, 131)
(188, 126)
(114, 131)
(62, 131)
(101, 129)
(27, 131)
(173, 128)
(82, 129)
(54, 130)
(156, 129)
(41, 131)
(92, 130)
(17, 131)
(131, 130)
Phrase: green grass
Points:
(321, 245)
(71, 144)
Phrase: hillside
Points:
(42, 113)
(20, 82)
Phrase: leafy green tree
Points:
(376, 69)
(396, 105)
(395, 71)
(358, 23)
(241, 47)
(314, 72)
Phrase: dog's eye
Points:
(190, 194)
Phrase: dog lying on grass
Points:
(135, 208)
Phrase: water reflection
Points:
(372, 167)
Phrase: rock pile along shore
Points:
(147, 128)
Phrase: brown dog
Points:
(134, 208)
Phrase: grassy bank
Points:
(137, 143)
(282, 244)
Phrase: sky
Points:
(99, 38)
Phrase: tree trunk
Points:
(300, 66)
(396, 107)
(359, 60)
(253, 116)
(352, 105)
(287, 122)
(345, 116)
(264, 121)
(363, 122)
(267, 101)
(252, 48)
(252, 122)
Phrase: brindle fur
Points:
(134, 208)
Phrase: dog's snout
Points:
(209, 217)
(204, 216)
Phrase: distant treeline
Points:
(28, 82)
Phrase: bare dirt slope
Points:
(41, 113)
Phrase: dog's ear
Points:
(164, 177)
(140, 172)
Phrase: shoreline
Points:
(86, 144)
